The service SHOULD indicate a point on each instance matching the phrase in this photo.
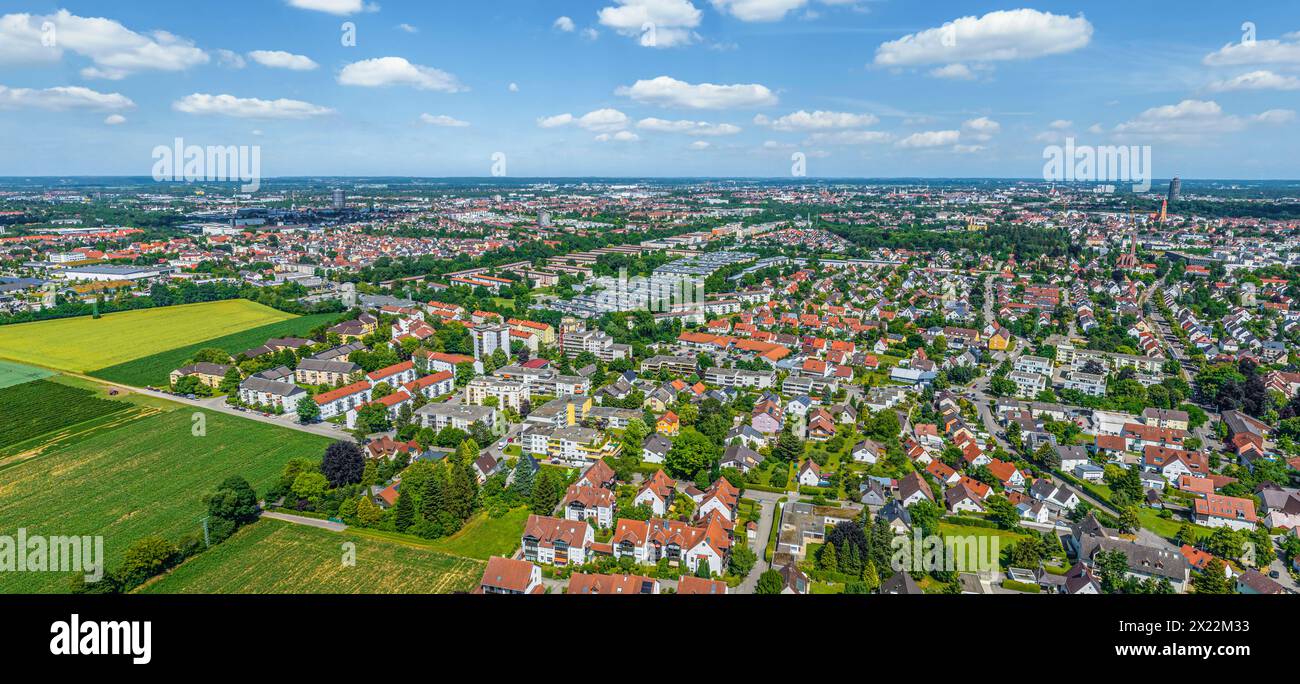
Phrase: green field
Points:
(84, 344)
(153, 370)
(276, 557)
(137, 477)
(39, 407)
(15, 374)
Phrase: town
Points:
(761, 387)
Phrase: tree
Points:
(368, 513)
(788, 447)
(343, 464)
(308, 410)
(691, 453)
(147, 557)
(742, 561)
(828, 559)
(1003, 512)
(770, 582)
(1112, 567)
(234, 500)
(309, 486)
(1129, 522)
(404, 512)
(1213, 579)
(547, 492)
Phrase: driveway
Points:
(304, 520)
(767, 518)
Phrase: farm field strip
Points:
(273, 556)
(16, 374)
(140, 477)
(83, 343)
(39, 407)
(154, 369)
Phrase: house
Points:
(1007, 473)
(914, 488)
(342, 400)
(395, 375)
(509, 576)
(655, 448)
(1071, 457)
(583, 583)
(657, 492)
(741, 458)
(668, 424)
(281, 396)
(960, 498)
(556, 541)
(794, 581)
(900, 583)
(1216, 510)
(318, 372)
(690, 584)
(1174, 463)
(486, 466)
(584, 502)
(872, 493)
(721, 497)
(599, 474)
(810, 474)
(649, 541)
(1253, 581)
(867, 451)
(208, 374)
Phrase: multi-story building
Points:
(488, 339)
(596, 342)
(459, 416)
(508, 393)
(317, 372)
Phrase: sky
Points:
(668, 88)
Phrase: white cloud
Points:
(63, 98)
(767, 10)
(981, 129)
(340, 8)
(564, 24)
(279, 59)
(391, 71)
(849, 138)
(408, 28)
(996, 36)
(967, 149)
(621, 136)
(1095, 129)
(590, 33)
(670, 92)
(1061, 124)
(555, 121)
(598, 121)
(230, 58)
(513, 87)
(247, 107)
(1258, 52)
(114, 120)
(1257, 80)
(1275, 116)
(930, 139)
(816, 121)
(688, 127)
(114, 50)
(700, 145)
(1187, 119)
(955, 72)
(654, 23)
(443, 120)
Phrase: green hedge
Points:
(1021, 586)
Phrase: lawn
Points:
(138, 477)
(39, 407)
(16, 374)
(484, 536)
(276, 557)
(153, 370)
(83, 344)
(1168, 528)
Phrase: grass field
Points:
(276, 557)
(15, 374)
(84, 344)
(132, 478)
(39, 407)
(155, 368)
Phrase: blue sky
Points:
(862, 88)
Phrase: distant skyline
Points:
(863, 89)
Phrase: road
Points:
(767, 518)
(304, 520)
(219, 405)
